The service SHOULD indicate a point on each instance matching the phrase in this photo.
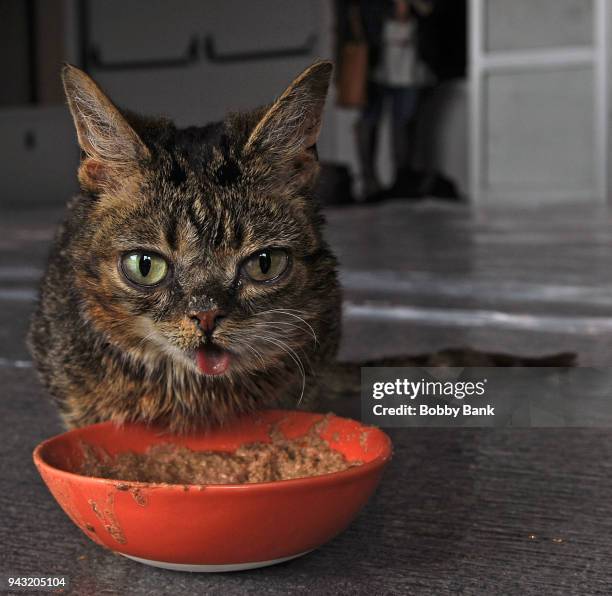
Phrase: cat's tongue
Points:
(212, 360)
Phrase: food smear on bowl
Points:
(167, 463)
(215, 527)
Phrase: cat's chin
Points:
(213, 360)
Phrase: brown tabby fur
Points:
(205, 198)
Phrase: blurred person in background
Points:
(408, 47)
(395, 75)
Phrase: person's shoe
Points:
(371, 188)
(408, 185)
(376, 197)
(438, 186)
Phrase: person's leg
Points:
(366, 133)
(404, 105)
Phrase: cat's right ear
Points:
(110, 145)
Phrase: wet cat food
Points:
(281, 459)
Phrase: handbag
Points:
(351, 86)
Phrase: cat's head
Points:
(203, 245)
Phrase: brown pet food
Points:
(282, 459)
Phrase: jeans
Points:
(404, 103)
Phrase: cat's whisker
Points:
(292, 314)
(301, 349)
(149, 336)
(256, 352)
(286, 312)
(293, 356)
(287, 347)
(269, 324)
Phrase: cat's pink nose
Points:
(208, 319)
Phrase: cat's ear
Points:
(289, 129)
(110, 145)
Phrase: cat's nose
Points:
(208, 319)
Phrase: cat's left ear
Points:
(290, 128)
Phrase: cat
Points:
(190, 280)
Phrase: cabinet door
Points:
(538, 100)
(257, 49)
(243, 53)
(139, 53)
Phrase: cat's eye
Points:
(144, 268)
(267, 264)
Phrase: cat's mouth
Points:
(212, 359)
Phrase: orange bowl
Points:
(221, 527)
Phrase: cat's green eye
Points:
(144, 268)
(267, 264)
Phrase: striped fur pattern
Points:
(205, 198)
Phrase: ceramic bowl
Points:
(221, 527)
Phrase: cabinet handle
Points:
(213, 55)
(191, 56)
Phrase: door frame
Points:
(481, 63)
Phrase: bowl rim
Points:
(344, 475)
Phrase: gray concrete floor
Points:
(527, 281)
(471, 509)
(416, 277)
